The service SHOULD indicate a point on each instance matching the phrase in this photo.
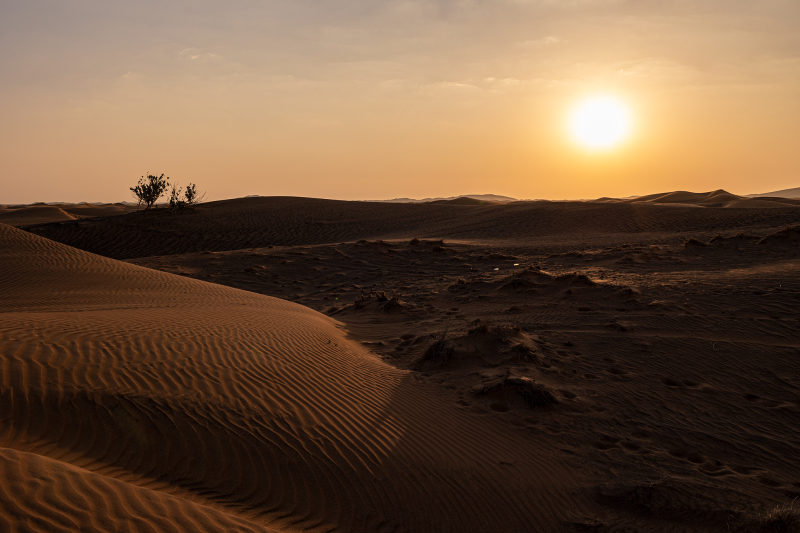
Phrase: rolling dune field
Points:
(292, 364)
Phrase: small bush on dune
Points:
(149, 190)
(192, 196)
(175, 201)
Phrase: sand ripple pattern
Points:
(131, 399)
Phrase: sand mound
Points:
(136, 399)
(514, 390)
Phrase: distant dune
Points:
(263, 221)
(41, 213)
(718, 198)
(33, 215)
(484, 197)
(783, 193)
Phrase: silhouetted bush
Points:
(192, 196)
(175, 201)
(150, 189)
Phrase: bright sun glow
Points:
(600, 122)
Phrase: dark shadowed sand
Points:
(293, 364)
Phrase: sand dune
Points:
(538, 366)
(41, 494)
(783, 193)
(718, 198)
(33, 215)
(258, 222)
(131, 393)
(41, 213)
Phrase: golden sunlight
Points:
(600, 122)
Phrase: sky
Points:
(377, 99)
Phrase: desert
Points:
(297, 364)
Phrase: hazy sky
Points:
(378, 99)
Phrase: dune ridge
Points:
(287, 221)
(34, 215)
(217, 406)
(42, 213)
(718, 198)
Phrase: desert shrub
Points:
(149, 190)
(440, 351)
(783, 519)
(190, 196)
(175, 201)
(193, 197)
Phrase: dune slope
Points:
(132, 398)
(33, 215)
(258, 222)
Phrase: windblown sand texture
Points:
(292, 364)
(134, 398)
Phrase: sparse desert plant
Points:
(192, 196)
(175, 201)
(783, 518)
(149, 190)
(441, 350)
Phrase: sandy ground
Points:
(293, 364)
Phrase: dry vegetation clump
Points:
(440, 351)
(190, 197)
(783, 518)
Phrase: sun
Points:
(600, 122)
